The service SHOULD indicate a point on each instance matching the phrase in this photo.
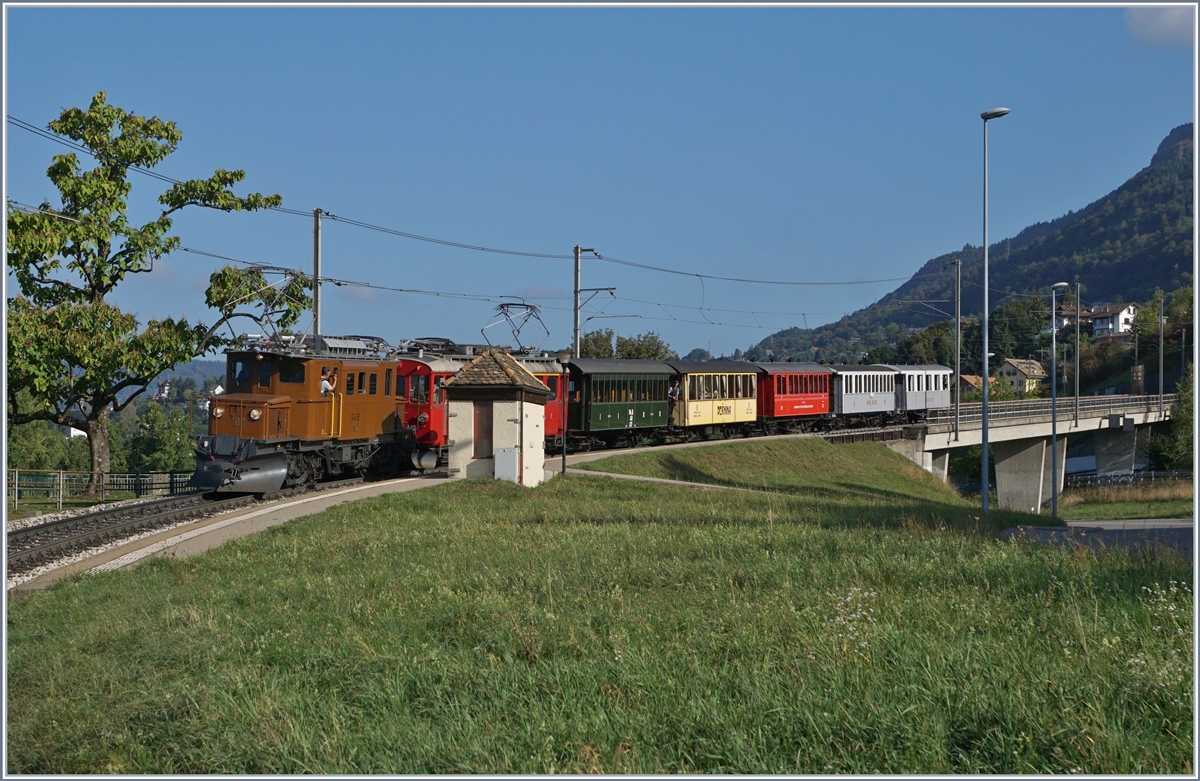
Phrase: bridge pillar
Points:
(941, 464)
(1023, 472)
(1117, 448)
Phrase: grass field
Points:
(601, 625)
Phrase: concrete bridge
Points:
(1019, 433)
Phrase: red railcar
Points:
(421, 402)
(550, 373)
(791, 391)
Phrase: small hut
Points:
(497, 420)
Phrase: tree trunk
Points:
(97, 434)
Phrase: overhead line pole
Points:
(1078, 315)
(575, 343)
(316, 272)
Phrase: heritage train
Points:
(301, 409)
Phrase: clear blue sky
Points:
(806, 144)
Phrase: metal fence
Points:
(42, 486)
(1124, 478)
(971, 413)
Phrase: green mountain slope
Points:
(1121, 247)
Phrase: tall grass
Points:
(1164, 491)
(596, 625)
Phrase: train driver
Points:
(328, 380)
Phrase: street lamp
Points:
(1054, 400)
(563, 356)
(995, 113)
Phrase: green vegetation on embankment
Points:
(593, 624)
(856, 479)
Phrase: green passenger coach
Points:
(616, 396)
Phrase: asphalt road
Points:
(1176, 536)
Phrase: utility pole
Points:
(578, 251)
(1162, 303)
(316, 272)
(1078, 317)
(957, 340)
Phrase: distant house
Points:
(1113, 319)
(1068, 314)
(1023, 374)
(969, 382)
(164, 390)
(217, 391)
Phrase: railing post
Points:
(103, 488)
(16, 487)
(60, 489)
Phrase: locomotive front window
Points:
(387, 383)
(362, 382)
(552, 384)
(291, 370)
(420, 389)
(401, 386)
(371, 386)
(349, 383)
(240, 373)
(264, 373)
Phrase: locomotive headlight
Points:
(218, 412)
(255, 414)
(422, 418)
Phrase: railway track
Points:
(41, 545)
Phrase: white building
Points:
(1113, 319)
(497, 420)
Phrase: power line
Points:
(479, 248)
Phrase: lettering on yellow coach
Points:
(724, 409)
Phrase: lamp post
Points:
(957, 340)
(1054, 400)
(563, 356)
(995, 113)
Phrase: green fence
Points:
(44, 490)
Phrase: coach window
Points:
(291, 371)
(387, 382)
(371, 385)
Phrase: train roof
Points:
(620, 366)
(712, 367)
(310, 346)
(852, 368)
(809, 368)
(438, 363)
(914, 367)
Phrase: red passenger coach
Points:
(791, 390)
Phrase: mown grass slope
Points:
(854, 476)
(601, 625)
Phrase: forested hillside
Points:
(1123, 246)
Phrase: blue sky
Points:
(792, 144)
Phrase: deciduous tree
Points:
(74, 352)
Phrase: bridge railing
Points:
(971, 413)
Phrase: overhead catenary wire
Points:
(481, 248)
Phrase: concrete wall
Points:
(507, 419)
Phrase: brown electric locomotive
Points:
(299, 409)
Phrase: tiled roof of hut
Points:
(494, 369)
